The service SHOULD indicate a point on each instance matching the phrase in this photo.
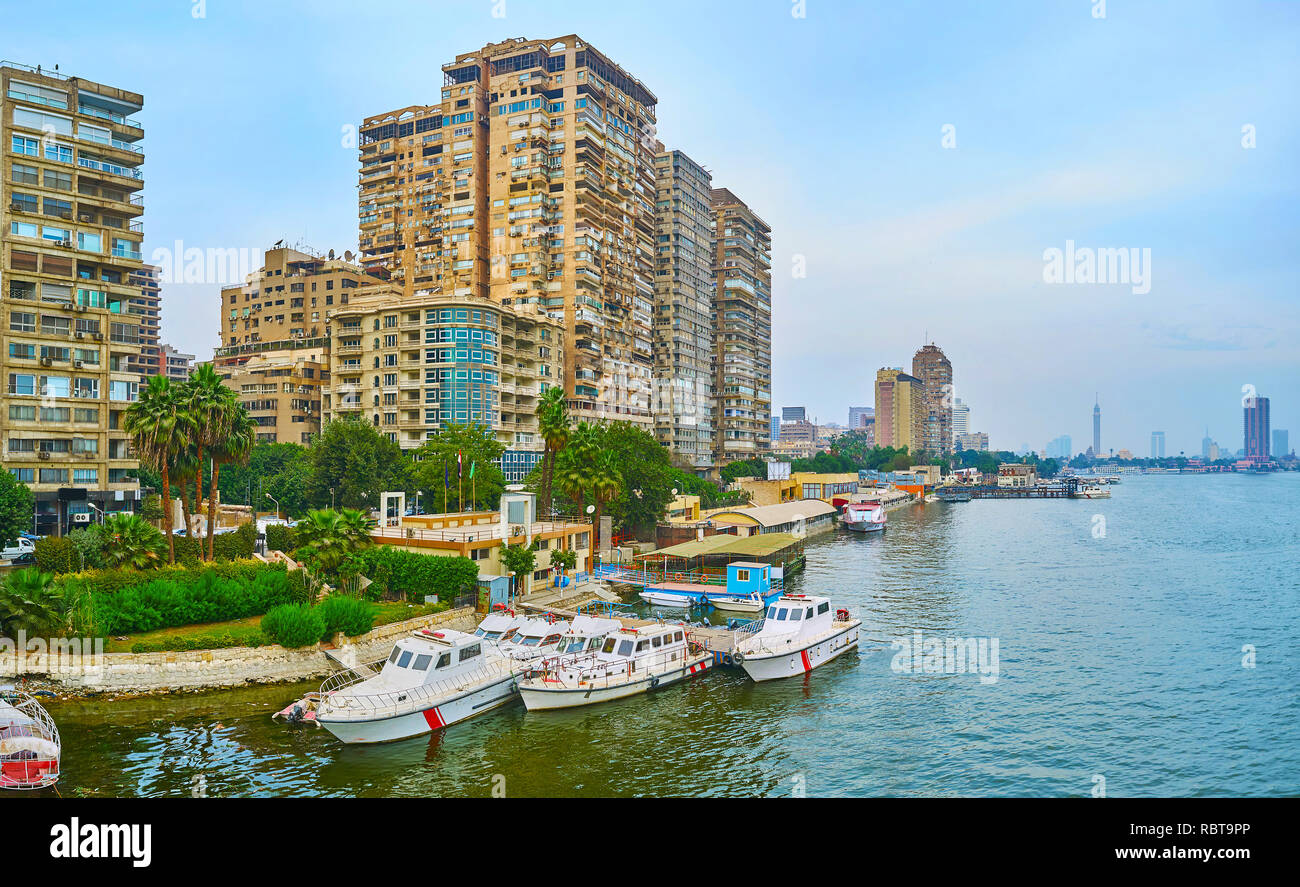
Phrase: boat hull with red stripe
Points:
(447, 711)
(799, 633)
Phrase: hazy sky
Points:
(1117, 132)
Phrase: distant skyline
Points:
(917, 165)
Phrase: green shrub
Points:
(294, 625)
(300, 591)
(54, 555)
(350, 615)
(236, 545)
(201, 642)
(407, 575)
(174, 596)
(279, 538)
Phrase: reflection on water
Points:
(1119, 656)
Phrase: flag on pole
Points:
(472, 466)
(446, 477)
(458, 464)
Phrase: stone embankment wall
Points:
(211, 669)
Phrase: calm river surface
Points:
(1120, 657)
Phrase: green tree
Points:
(17, 508)
(357, 463)
(30, 601)
(329, 538)
(522, 561)
(232, 441)
(564, 559)
(158, 426)
(645, 478)
(553, 424)
(130, 541)
(435, 462)
(280, 469)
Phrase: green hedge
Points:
(294, 625)
(56, 554)
(201, 642)
(350, 615)
(396, 572)
(280, 538)
(177, 596)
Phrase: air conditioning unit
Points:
(82, 517)
(86, 217)
(79, 364)
(45, 362)
(19, 207)
(81, 307)
(43, 454)
(81, 335)
(99, 337)
(67, 244)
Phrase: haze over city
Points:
(914, 166)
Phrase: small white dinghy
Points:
(738, 603)
(29, 743)
(799, 634)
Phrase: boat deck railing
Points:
(595, 672)
(364, 706)
(40, 771)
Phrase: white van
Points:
(23, 548)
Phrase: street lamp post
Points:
(276, 501)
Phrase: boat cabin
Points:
(500, 626)
(797, 614)
(428, 656)
(587, 634)
(649, 642)
(749, 577)
(534, 637)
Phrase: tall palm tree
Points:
(605, 479)
(589, 469)
(234, 445)
(553, 423)
(158, 427)
(206, 399)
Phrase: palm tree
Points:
(605, 482)
(158, 427)
(330, 537)
(31, 602)
(207, 400)
(553, 423)
(589, 469)
(131, 541)
(234, 445)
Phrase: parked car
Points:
(20, 552)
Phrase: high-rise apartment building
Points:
(933, 368)
(1157, 445)
(742, 335)
(973, 440)
(176, 365)
(532, 182)
(960, 418)
(793, 414)
(275, 338)
(1255, 428)
(900, 410)
(410, 365)
(1058, 447)
(70, 234)
(857, 415)
(683, 310)
(1281, 443)
(146, 307)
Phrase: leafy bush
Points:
(30, 601)
(54, 555)
(294, 625)
(236, 545)
(404, 574)
(182, 596)
(279, 538)
(350, 615)
(300, 590)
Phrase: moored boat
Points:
(952, 494)
(739, 603)
(864, 517)
(799, 634)
(29, 743)
(432, 679)
(630, 661)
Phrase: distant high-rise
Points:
(960, 418)
(1096, 428)
(900, 416)
(776, 427)
(1059, 447)
(857, 414)
(1255, 428)
(1157, 445)
(793, 414)
(1206, 443)
(933, 368)
(1281, 445)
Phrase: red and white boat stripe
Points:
(433, 718)
(807, 665)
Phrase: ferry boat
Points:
(671, 599)
(744, 579)
(430, 680)
(630, 661)
(29, 743)
(1092, 493)
(799, 634)
(864, 517)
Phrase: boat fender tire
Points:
(737, 657)
(727, 660)
(654, 682)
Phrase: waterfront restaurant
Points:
(1017, 475)
(803, 517)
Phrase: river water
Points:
(1120, 627)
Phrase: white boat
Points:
(666, 599)
(739, 603)
(536, 638)
(1092, 493)
(432, 679)
(864, 517)
(29, 743)
(500, 626)
(799, 634)
(629, 662)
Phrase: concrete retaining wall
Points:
(210, 669)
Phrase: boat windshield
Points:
(531, 640)
(571, 645)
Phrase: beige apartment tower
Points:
(531, 182)
(742, 329)
(683, 311)
(70, 232)
(900, 416)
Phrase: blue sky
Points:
(1123, 131)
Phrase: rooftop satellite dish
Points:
(347, 256)
(331, 254)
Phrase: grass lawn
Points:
(386, 612)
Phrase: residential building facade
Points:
(900, 410)
(176, 365)
(683, 311)
(858, 417)
(960, 418)
(281, 390)
(975, 440)
(1157, 445)
(146, 306)
(70, 235)
(933, 368)
(1255, 431)
(742, 317)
